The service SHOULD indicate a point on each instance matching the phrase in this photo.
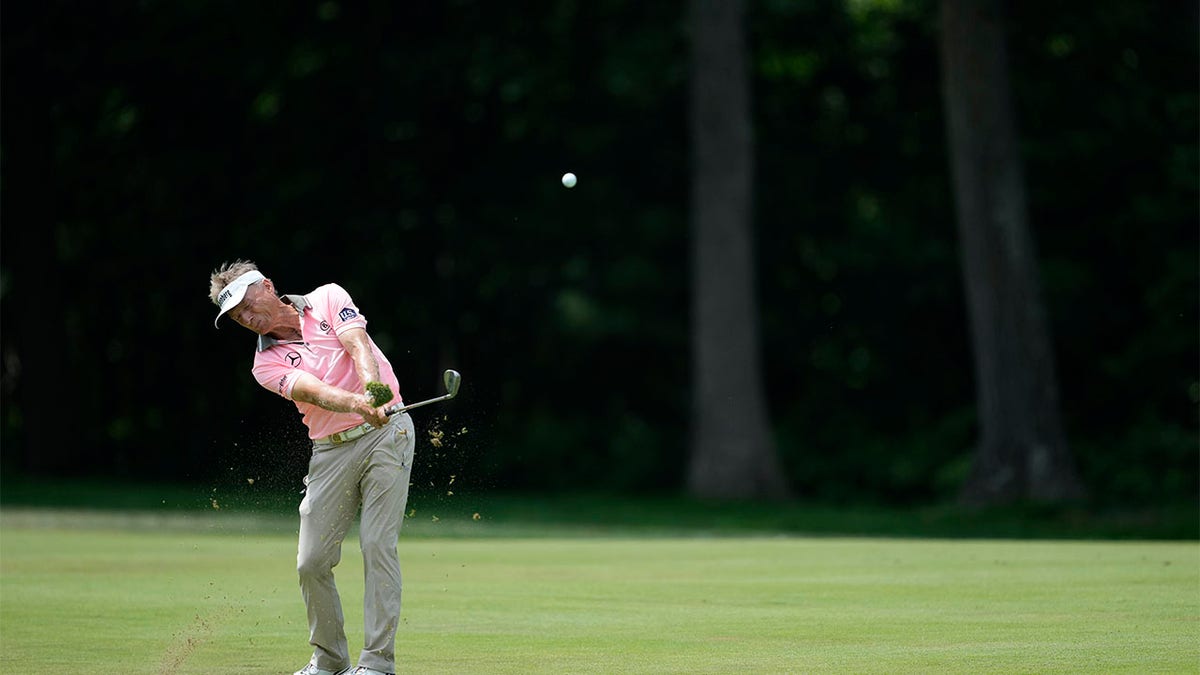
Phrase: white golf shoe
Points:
(312, 669)
(363, 670)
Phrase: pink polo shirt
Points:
(325, 314)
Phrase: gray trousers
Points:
(371, 472)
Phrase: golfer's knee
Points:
(315, 564)
(375, 548)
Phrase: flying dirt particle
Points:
(186, 642)
(435, 437)
(451, 480)
(449, 493)
(412, 512)
(463, 432)
(216, 505)
(476, 516)
(436, 519)
(250, 481)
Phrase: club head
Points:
(452, 379)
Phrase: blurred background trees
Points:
(412, 154)
(732, 453)
(1022, 452)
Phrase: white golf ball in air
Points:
(568, 180)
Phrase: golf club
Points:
(452, 379)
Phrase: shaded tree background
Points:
(412, 154)
(732, 452)
(1022, 450)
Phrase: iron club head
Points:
(452, 379)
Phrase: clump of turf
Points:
(379, 392)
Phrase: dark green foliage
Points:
(411, 153)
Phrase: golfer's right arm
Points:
(309, 389)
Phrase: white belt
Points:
(347, 435)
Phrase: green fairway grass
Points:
(190, 594)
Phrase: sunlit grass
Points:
(136, 596)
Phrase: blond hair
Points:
(226, 273)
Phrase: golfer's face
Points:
(254, 311)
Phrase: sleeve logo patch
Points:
(347, 314)
(293, 359)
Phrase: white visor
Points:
(232, 294)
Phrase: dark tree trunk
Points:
(1022, 451)
(733, 455)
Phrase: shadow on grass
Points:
(442, 512)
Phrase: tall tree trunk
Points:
(733, 455)
(1022, 451)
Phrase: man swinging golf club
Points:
(314, 350)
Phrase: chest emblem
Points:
(324, 326)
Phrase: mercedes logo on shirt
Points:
(293, 358)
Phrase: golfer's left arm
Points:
(358, 346)
(309, 389)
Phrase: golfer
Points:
(314, 350)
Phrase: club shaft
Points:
(418, 404)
